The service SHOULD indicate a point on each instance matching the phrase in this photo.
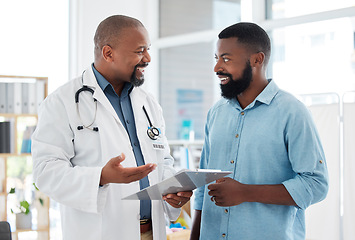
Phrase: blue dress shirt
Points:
(123, 107)
(272, 141)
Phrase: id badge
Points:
(158, 145)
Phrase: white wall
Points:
(34, 39)
(85, 15)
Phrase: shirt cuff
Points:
(101, 197)
(300, 192)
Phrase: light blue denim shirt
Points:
(272, 141)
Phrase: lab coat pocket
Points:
(87, 148)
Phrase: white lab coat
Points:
(67, 162)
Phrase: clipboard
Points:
(184, 180)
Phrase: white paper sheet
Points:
(184, 180)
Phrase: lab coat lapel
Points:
(90, 80)
(138, 100)
(107, 109)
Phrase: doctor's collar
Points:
(103, 83)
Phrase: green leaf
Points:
(41, 201)
(12, 190)
(35, 186)
(25, 207)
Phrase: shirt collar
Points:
(265, 96)
(268, 93)
(103, 83)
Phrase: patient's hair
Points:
(251, 35)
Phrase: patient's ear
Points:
(257, 59)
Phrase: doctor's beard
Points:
(137, 81)
(234, 87)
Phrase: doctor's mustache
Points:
(142, 65)
(138, 81)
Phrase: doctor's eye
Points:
(142, 50)
(216, 58)
(139, 50)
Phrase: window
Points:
(188, 86)
(314, 57)
(277, 9)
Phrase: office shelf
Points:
(16, 165)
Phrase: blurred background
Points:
(313, 57)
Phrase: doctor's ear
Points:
(107, 53)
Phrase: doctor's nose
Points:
(146, 57)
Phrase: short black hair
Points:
(110, 29)
(251, 35)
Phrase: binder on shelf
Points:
(10, 97)
(2, 137)
(40, 92)
(24, 99)
(5, 137)
(32, 98)
(17, 97)
(3, 100)
(29, 98)
(12, 135)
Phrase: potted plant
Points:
(23, 212)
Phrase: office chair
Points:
(5, 231)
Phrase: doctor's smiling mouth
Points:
(137, 78)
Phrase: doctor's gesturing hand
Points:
(114, 172)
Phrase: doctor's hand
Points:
(177, 200)
(114, 172)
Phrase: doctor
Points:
(98, 135)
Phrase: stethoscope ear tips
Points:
(95, 129)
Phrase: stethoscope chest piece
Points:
(152, 132)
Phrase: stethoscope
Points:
(81, 127)
(152, 132)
